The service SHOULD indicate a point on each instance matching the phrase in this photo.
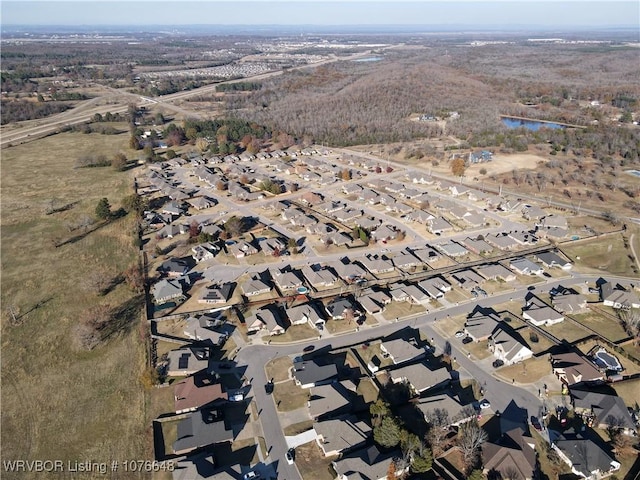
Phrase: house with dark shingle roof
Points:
(572, 368)
(196, 391)
(341, 435)
(366, 464)
(585, 457)
(200, 429)
(308, 373)
(598, 409)
(506, 347)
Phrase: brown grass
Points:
(278, 369)
(312, 464)
(606, 254)
(98, 402)
(401, 309)
(529, 371)
(295, 333)
(289, 396)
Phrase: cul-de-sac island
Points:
(368, 256)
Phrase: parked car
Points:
(536, 423)
(238, 397)
(253, 475)
(459, 334)
(466, 340)
(308, 348)
(484, 404)
(497, 363)
(290, 456)
(268, 387)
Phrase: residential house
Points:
(332, 399)
(197, 391)
(204, 251)
(573, 368)
(373, 301)
(477, 245)
(467, 279)
(305, 313)
(187, 361)
(272, 247)
(452, 249)
(533, 212)
(510, 455)
(216, 294)
(474, 219)
(349, 272)
(319, 277)
(320, 228)
(524, 266)
(539, 313)
(427, 255)
(368, 223)
(496, 271)
(201, 429)
(376, 264)
(586, 458)
(307, 373)
(347, 215)
(616, 296)
(436, 287)
(174, 267)
(438, 226)
(523, 237)
(285, 280)
(200, 203)
(199, 328)
(405, 261)
(551, 259)
(459, 411)
(267, 319)
(479, 326)
(255, 286)
(241, 249)
(571, 303)
(419, 377)
(341, 435)
(602, 410)
(339, 239)
(506, 347)
(401, 351)
(169, 289)
(501, 241)
(340, 308)
(553, 221)
(384, 233)
(366, 463)
(419, 216)
(408, 293)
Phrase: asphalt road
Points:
(499, 393)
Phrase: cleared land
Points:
(48, 288)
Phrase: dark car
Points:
(497, 363)
(268, 387)
(308, 348)
(466, 340)
(536, 423)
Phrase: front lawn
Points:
(289, 396)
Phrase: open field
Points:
(289, 396)
(528, 371)
(604, 326)
(48, 288)
(607, 255)
(278, 369)
(402, 309)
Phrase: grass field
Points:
(295, 333)
(278, 369)
(289, 396)
(312, 464)
(607, 254)
(94, 403)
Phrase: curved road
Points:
(499, 393)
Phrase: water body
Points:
(368, 59)
(533, 125)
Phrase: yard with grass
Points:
(279, 368)
(402, 309)
(340, 326)
(528, 371)
(289, 396)
(567, 330)
(296, 333)
(99, 403)
(368, 390)
(604, 326)
(312, 463)
(606, 254)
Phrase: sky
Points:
(568, 13)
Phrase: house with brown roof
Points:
(419, 377)
(572, 369)
(196, 391)
(512, 454)
(341, 435)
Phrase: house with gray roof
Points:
(308, 373)
(368, 223)
(427, 254)
(467, 279)
(405, 261)
(366, 464)
(384, 233)
(187, 361)
(339, 308)
(200, 429)
(255, 286)
(332, 399)
(554, 221)
(541, 315)
(585, 457)
(241, 249)
(419, 377)
(524, 266)
(523, 238)
(376, 264)
(341, 435)
(533, 212)
(501, 241)
(510, 455)
(305, 313)
(477, 245)
(616, 296)
(570, 303)
(272, 246)
(320, 228)
(439, 225)
(349, 272)
(474, 219)
(198, 328)
(285, 280)
(319, 277)
(452, 249)
(216, 294)
(168, 289)
(552, 259)
(419, 216)
(480, 326)
(599, 409)
(339, 239)
(401, 351)
(507, 347)
(267, 319)
(496, 271)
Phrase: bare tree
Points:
(630, 319)
(439, 421)
(470, 438)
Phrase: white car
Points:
(252, 476)
(238, 397)
(484, 404)
(290, 456)
(459, 334)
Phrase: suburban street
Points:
(498, 392)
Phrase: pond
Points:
(533, 125)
